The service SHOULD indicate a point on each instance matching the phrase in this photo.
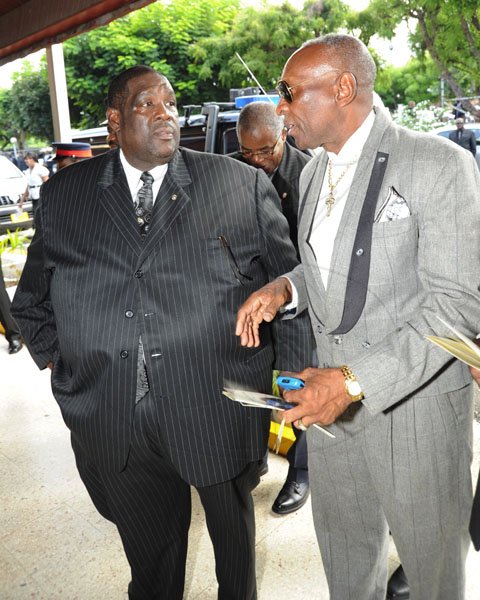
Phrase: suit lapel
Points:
(169, 203)
(347, 231)
(306, 215)
(116, 200)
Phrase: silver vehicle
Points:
(12, 185)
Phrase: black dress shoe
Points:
(14, 346)
(397, 588)
(292, 496)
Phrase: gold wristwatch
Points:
(352, 387)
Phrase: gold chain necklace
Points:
(330, 201)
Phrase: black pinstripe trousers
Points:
(151, 506)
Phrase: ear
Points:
(113, 117)
(347, 88)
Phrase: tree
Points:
(417, 81)
(26, 104)
(449, 32)
(264, 37)
(159, 35)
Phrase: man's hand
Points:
(262, 305)
(322, 400)
(475, 374)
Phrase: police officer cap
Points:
(72, 149)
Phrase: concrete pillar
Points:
(58, 94)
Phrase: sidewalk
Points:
(55, 546)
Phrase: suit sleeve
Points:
(293, 339)
(31, 307)
(448, 267)
(473, 144)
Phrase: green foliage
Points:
(418, 80)
(16, 240)
(420, 117)
(25, 107)
(159, 35)
(264, 37)
(446, 31)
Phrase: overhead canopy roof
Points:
(29, 25)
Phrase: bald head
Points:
(347, 53)
(327, 91)
(259, 115)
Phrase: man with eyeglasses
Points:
(387, 245)
(262, 137)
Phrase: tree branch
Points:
(471, 42)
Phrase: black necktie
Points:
(144, 203)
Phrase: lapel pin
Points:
(174, 197)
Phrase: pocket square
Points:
(393, 208)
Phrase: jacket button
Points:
(359, 252)
(337, 339)
(129, 314)
(319, 329)
(366, 344)
(124, 354)
(138, 273)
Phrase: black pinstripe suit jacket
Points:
(91, 286)
(286, 181)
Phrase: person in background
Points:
(12, 332)
(464, 137)
(68, 153)
(153, 247)
(376, 205)
(36, 175)
(262, 138)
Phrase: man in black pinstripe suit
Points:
(94, 287)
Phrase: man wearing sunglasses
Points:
(262, 138)
(388, 242)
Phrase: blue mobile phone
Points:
(290, 383)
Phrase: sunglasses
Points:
(285, 91)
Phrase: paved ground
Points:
(54, 545)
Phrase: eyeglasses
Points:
(285, 91)
(261, 153)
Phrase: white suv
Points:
(12, 185)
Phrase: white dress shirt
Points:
(325, 228)
(133, 177)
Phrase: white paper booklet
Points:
(458, 345)
(259, 400)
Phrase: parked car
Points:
(12, 185)
(446, 130)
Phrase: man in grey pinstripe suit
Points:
(94, 286)
(388, 239)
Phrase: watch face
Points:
(354, 388)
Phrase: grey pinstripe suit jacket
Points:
(286, 182)
(91, 286)
(421, 266)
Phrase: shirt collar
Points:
(351, 150)
(133, 174)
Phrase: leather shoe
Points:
(292, 496)
(14, 346)
(397, 588)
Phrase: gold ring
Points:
(300, 425)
